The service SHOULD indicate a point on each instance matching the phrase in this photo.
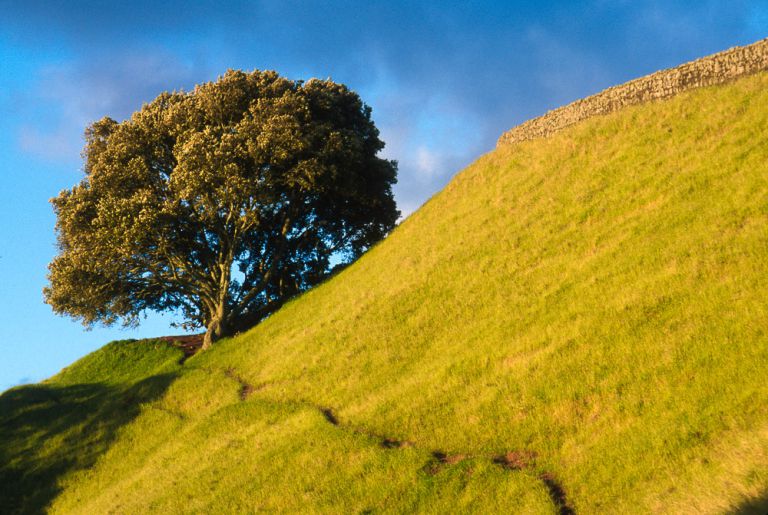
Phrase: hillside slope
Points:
(577, 323)
(56, 428)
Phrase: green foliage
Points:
(254, 171)
(595, 301)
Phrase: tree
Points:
(220, 203)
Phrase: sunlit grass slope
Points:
(594, 305)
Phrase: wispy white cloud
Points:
(57, 144)
(69, 96)
(427, 162)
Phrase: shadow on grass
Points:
(47, 431)
(755, 506)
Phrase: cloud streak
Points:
(70, 96)
(445, 79)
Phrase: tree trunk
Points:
(219, 325)
(217, 328)
(209, 338)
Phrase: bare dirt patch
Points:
(391, 443)
(189, 344)
(329, 416)
(516, 460)
(556, 493)
(246, 389)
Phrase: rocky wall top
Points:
(714, 69)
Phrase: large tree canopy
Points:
(220, 203)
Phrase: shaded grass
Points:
(755, 506)
(63, 425)
(595, 300)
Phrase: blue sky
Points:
(444, 79)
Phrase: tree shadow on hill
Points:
(755, 506)
(47, 431)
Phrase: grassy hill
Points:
(577, 323)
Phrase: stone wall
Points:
(714, 69)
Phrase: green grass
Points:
(595, 301)
(52, 430)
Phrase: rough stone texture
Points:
(714, 69)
